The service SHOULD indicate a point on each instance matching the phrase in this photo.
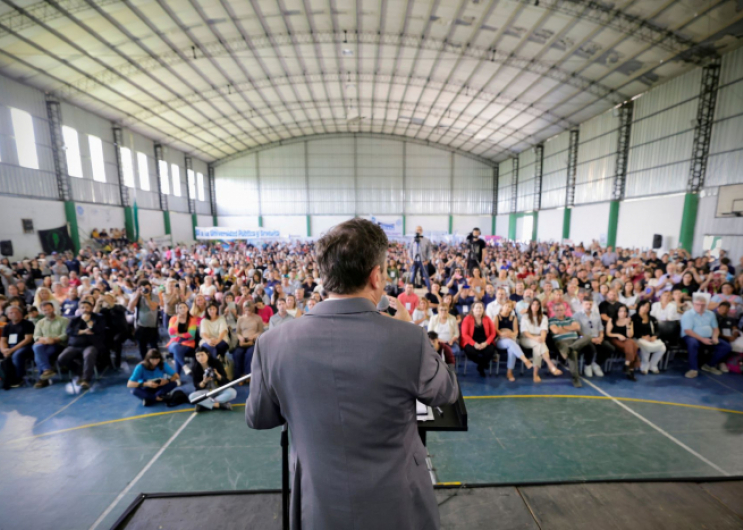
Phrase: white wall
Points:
(180, 227)
(289, 225)
(501, 225)
(245, 221)
(730, 228)
(45, 214)
(151, 224)
(589, 222)
(430, 223)
(549, 224)
(463, 224)
(320, 224)
(90, 216)
(204, 220)
(640, 219)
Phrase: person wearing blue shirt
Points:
(699, 328)
(73, 264)
(152, 379)
(464, 300)
(69, 307)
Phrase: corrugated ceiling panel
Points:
(726, 149)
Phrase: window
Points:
(72, 152)
(191, 178)
(200, 185)
(96, 159)
(176, 180)
(164, 182)
(25, 139)
(144, 172)
(127, 167)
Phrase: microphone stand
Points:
(284, 449)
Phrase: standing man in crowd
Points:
(346, 379)
(475, 246)
(419, 254)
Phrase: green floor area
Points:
(66, 479)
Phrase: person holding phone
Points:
(147, 312)
(152, 379)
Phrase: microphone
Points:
(383, 304)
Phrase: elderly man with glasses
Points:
(698, 329)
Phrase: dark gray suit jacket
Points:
(346, 379)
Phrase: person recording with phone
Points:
(152, 379)
(208, 373)
(419, 254)
(146, 308)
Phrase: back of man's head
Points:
(348, 253)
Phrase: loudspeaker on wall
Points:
(657, 241)
(6, 248)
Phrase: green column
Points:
(492, 228)
(611, 234)
(194, 224)
(451, 224)
(689, 221)
(166, 222)
(215, 222)
(309, 227)
(403, 225)
(71, 216)
(129, 223)
(512, 226)
(260, 221)
(566, 213)
(534, 227)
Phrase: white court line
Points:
(664, 433)
(141, 473)
(63, 408)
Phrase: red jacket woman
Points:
(468, 328)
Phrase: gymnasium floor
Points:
(73, 462)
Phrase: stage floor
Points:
(72, 462)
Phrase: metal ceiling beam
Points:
(217, 49)
(398, 50)
(377, 136)
(409, 106)
(333, 15)
(632, 26)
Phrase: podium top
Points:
(454, 418)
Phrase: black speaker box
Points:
(6, 248)
(657, 241)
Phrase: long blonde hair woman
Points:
(43, 294)
(198, 309)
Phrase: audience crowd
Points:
(205, 306)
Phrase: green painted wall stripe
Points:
(194, 224)
(129, 222)
(492, 229)
(512, 226)
(71, 216)
(534, 227)
(166, 221)
(451, 224)
(689, 221)
(403, 225)
(215, 222)
(260, 221)
(611, 234)
(309, 226)
(566, 214)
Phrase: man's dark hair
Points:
(725, 303)
(348, 253)
(44, 304)
(432, 335)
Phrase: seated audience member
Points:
(728, 295)
(608, 308)
(422, 314)
(456, 281)
(17, 339)
(442, 349)
(554, 301)
(281, 317)
(645, 328)
(262, 310)
(665, 310)
(445, 325)
(214, 332)
(152, 379)
(507, 328)
(249, 328)
(729, 332)
(182, 330)
(493, 308)
(409, 299)
(534, 328)
(464, 300)
(291, 306)
(688, 286)
(489, 295)
(699, 329)
(198, 308)
(478, 335)
(518, 294)
(565, 334)
(86, 340)
(33, 315)
(522, 307)
(44, 294)
(117, 327)
(620, 331)
(628, 297)
(591, 326)
(70, 305)
(434, 297)
(50, 338)
(208, 373)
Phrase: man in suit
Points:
(345, 378)
(419, 256)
